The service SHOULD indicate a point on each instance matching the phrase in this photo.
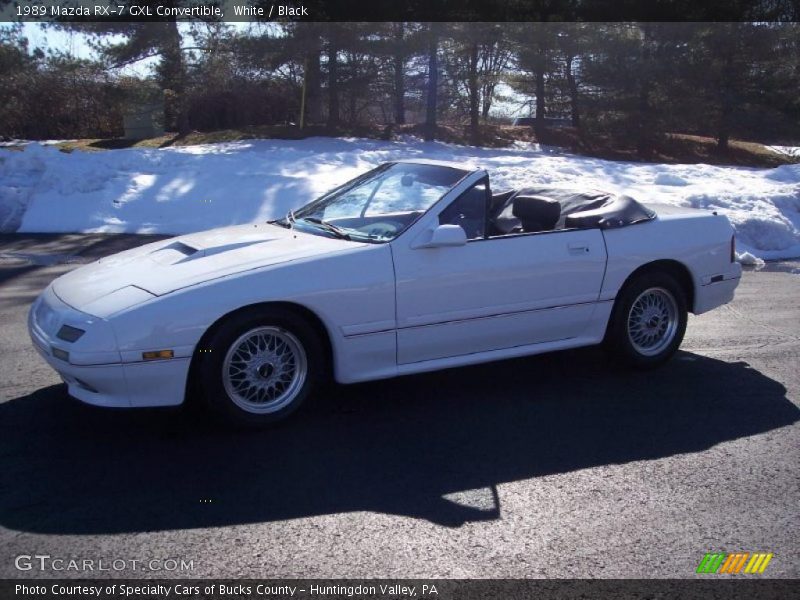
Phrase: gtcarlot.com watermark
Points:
(46, 562)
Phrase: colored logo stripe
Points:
(720, 562)
(758, 563)
(734, 562)
(710, 563)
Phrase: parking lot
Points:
(562, 465)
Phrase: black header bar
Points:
(709, 588)
(399, 10)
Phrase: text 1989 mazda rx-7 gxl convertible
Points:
(411, 267)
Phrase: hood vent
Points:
(172, 253)
(185, 249)
(178, 252)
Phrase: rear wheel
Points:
(258, 367)
(648, 320)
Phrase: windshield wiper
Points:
(337, 231)
(287, 221)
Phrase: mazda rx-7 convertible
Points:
(410, 267)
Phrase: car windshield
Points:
(378, 205)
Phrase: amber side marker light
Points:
(60, 354)
(157, 354)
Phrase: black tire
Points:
(219, 391)
(624, 326)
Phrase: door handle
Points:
(578, 248)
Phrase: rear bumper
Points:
(716, 290)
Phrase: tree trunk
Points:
(333, 82)
(488, 92)
(352, 109)
(474, 91)
(644, 129)
(573, 92)
(726, 104)
(433, 82)
(540, 103)
(399, 74)
(175, 78)
(723, 137)
(540, 69)
(313, 76)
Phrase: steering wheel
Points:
(382, 229)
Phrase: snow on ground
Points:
(788, 150)
(185, 189)
(11, 143)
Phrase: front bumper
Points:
(96, 374)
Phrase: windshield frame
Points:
(295, 218)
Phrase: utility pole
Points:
(303, 96)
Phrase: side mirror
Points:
(443, 236)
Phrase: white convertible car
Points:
(411, 267)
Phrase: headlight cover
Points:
(69, 333)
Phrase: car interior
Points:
(516, 211)
(534, 210)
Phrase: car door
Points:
(492, 293)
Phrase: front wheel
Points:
(648, 320)
(259, 366)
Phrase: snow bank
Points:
(787, 150)
(748, 259)
(180, 190)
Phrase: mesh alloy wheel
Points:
(652, 321)
(264, 370)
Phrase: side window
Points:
(468, 211)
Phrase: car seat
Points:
(536, 213)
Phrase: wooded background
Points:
(628, 81)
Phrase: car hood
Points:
(168, 265)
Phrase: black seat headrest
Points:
(499, 202)
(536, 213)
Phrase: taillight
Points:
(733, 248)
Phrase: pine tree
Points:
(143, 40)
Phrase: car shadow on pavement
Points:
(416, 446)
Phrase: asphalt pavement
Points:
(562, 465)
